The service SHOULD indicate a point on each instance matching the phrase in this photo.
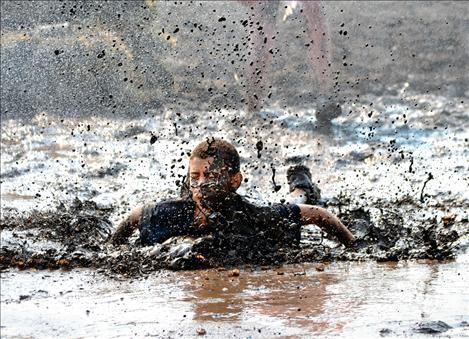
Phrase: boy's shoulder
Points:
(162, 220)
(284, 210)
(168, 206)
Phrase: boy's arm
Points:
(327, 221)
(126, 227)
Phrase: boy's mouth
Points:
(210, 192)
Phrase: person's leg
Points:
(261, 31)
(319, 49)
(320, 58)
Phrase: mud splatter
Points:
(76, 236)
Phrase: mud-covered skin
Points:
(76, 236)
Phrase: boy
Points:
(210, 207)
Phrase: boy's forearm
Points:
(327, 222)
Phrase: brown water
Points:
(345, 299)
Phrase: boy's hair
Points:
(221, 150)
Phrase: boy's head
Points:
(214, 170)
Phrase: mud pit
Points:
(393, 168)
(409, 201)
(91, 129)
(340, 300)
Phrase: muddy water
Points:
(323, 300)
(384, 149)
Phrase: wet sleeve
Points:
(153, 225)
(148, 236)
(290, 212)
(163, 221)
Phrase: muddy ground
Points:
(421, 299)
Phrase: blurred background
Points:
(126, 58)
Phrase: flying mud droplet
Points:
(422, 195)
(276, 187)
(259, 147)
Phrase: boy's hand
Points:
(327, 222)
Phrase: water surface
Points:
(342, 299)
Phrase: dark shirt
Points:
(236, 223)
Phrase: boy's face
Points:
(209, 180)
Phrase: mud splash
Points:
(76, 236)
(374, 175)
(396, 180)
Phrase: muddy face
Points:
(210, 181)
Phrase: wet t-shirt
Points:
(238, 223)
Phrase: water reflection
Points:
(297, 296)
(394, 296)
(345, 300)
